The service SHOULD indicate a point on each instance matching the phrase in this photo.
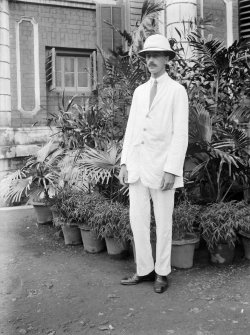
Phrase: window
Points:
(71, 71)
(244, 19)
(108, 39)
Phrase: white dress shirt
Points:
(156, 139)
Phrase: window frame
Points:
(51, 69)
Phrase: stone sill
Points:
(14, 208)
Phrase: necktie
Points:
(153, 92)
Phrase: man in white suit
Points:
(152, 161)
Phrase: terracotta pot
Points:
(222, 254)
(72, 235)
(245, 237)
(182, 254)
(43, 213)
(91, 242)
(116, 249)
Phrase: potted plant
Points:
(184, 239)
(86, 208)
(111, 222)
(114, 231)
(37, 180)
(244, 226)
(219, 225)
(65, 208)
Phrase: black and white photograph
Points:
(124, 167)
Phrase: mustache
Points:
(151, 63)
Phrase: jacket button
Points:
(142, 142)
(144, 129)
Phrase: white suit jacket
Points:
(156, 139)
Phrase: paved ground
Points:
(48, 288)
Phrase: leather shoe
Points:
(135, 279)
(160, 284)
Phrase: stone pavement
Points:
(53, 289)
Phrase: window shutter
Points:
(244, 19)
(51, 69)
(108, 39)
(106, 31)
(93, 65)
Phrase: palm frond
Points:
(230, 159)
(150, 8)
(43, 152)
(9, 180)
(210, 52)
(201, 124)
(240, 114)
(36, 194)
(235, 139)
(198, 168)
(19, 188)
(55, 157)
(99, 165)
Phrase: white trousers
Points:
(163, 204)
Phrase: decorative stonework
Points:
(87, 4)
(33, 74)
(229, 15)
(5, 95)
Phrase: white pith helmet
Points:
(157, 42)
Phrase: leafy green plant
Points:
(185, 215)
(65, 205)
(111, 219)
(78, 124)
(216, 79)
(220, 222)
(86, 206)
(244, 216)
(102, 168)
(37, 179)
(113, 223)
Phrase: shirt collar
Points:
(159, 80)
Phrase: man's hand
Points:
(123, 175)
(167, 181)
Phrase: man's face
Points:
(156, 62)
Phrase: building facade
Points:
(50, 46)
